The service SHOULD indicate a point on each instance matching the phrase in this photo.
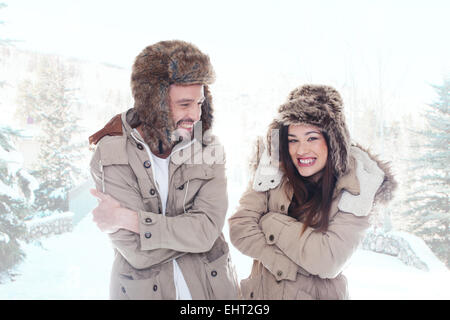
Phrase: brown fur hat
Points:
(154, 70)
(321, 106)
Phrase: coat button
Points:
(214, 273)
(279, 273)
(155, 287)
(148, 220)
(140, 146)
(152, 192)
(271, 237)
(159, 210)
(251, 294)
(148, 235)
(123, 290)
(147, 164)
(282, 207)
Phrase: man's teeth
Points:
(306, 161)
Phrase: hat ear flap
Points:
(154, 112)
(339, 148)
(207, 110)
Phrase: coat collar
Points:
(268, 176)
(358, 185)
(112, 128)
(183, 152)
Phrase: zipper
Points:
(103, 175)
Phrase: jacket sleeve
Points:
(116, 181)
(196, 230)
(248, 237)
(324, 254)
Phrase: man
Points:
(161, 203)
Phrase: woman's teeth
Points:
(186, 125)
(306, 162)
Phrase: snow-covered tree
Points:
(51, 100)
(428, 215)
(3, 40)
(16, 196)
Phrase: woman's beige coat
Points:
(291, 265)
(191, 230)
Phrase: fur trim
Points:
(377, 183)
(266, 175)
(370, 177)
(389, 185)
(320, 106)
(154, 70)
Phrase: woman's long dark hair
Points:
(311, 201)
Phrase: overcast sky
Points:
(403, 43)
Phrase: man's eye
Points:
(185, 105)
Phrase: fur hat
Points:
(321, 106)
(154, 70)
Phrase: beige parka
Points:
(289, 264)
(191, 230)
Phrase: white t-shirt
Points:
(161, 174)
(160, 170)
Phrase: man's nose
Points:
(194, 113)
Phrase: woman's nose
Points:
(302, 149)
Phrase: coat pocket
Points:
(251, 288)
(222, 278)
(140, 289)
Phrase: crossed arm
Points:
(276, 240)
(122, 215)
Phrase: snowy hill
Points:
(76, 265)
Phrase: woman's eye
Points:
(312, 138)
(291, 141)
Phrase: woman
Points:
(302, 219)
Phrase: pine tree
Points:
(53, 102)
(428, 214)
(15, 200)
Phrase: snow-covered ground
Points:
(76, 265)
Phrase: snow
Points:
(13, 158)
(4, 237)
(46, 220)
(57, 193)
(8, 191)
(421, 250)
(73, 265)
(77, 265)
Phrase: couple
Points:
(163, 206)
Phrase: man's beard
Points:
(182, 134)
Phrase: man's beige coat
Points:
(191, 230)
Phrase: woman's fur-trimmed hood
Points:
(320, 106)
(154, 70)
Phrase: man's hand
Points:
(104, 215)
(110, 216)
